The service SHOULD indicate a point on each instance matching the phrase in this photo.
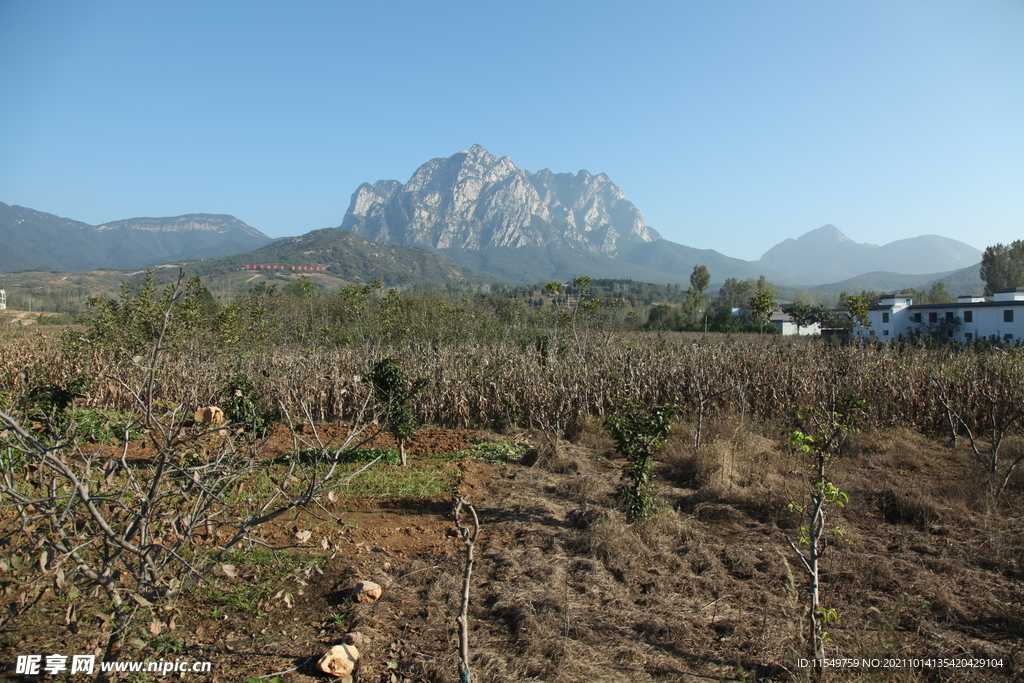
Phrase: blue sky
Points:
(732, 125)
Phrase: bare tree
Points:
(468, 537)
(818, 435)
(998, 414)
(141, 528)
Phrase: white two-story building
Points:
(971, 318)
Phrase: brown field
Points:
(929, 564)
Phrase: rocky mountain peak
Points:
(829, 230)
(476, 200)
(826, 234)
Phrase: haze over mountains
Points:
(827, 255)
(480, 212)
(31, 239)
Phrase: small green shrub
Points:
(167, 644)
(243, 403)
(51, 406)
(53, 399)
(639, 434)
(394, 390)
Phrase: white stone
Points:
(210, 415)
(339, 661)
(367, 591)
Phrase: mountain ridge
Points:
(481, 211)
(476, 200)
(345, 256)
(827, 255)
(36, 239)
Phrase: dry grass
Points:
(736, 464)
(565, 590)
(555, 456)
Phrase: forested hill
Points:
(345, 256)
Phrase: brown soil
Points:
(564, 590)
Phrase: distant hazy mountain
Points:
(827, 255)
(482, 212)
(36, 240)
(670, 257)
(957, 282)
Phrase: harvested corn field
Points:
(240, 543)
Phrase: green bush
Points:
(242, 403)
(639, 434)
(394, 390)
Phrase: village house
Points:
(785, 324)
(971, 318)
